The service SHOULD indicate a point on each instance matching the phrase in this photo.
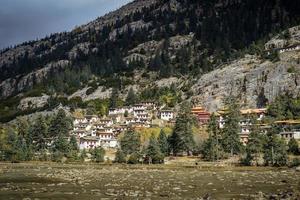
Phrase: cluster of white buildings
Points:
(283, 48)
(93, 131)
(245, 122)
(287, 130)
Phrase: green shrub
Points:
(98, 154)
(295, 162)
(120, 157)
(90, 91)
(133, 159)
(57, 156)
(291, 70)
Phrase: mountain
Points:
(147, 45)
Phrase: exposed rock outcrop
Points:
(16, 85)
(249, 78)
(33, 102)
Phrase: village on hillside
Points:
(93, 131)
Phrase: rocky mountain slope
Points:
(198, 47)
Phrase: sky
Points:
(23, 20)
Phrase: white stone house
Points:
(140, 125)
(118, 111)
(104, 130)
(89, 142)
(290, 48)
(91, 118)
(149, 104)
(131, 120)
(78, 120)
(107, 139)
(291, 134)
(120, 128)
(142, 116)
(107, 122)
(109, 143)
(80, 133)
(139, 107)
(139, 112)
(167, 115)
(83, 126)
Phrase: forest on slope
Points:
(167, 38)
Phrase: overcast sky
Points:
(22, 20)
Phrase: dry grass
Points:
(91, 181)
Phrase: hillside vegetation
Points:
(142, 42)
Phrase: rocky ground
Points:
(90, 181)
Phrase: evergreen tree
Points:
(22, 127)
(182, 137)
(163, 142)
(22, 150)
(130, 142)
(131, 98)
(10, 147)
(82, 155)
(59, 125)
(275, 150)
(61, 144)
(293, 147)
(126, 113)
(212, 147)
(39, 133)
(98, 154)
(91, 109)
(134, 158)
(156, 63)
(230, 139)
(120, 157)
(153, 152)
(73, 145)
(114, 98)
(255, 143)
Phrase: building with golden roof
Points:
(201, 114)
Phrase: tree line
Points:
(263, 144)
(180, 142)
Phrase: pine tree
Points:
(182, 137)
(73, 145)
(120, 157)
(10, 147)
(130, 142)
(131, 98)
(82, 155)
(293, 147)
(275, 150)
(114, 98)
(255, 143)
(22, 127)
(212, 147)
(153, 152)
(60, 124)
(231, 140)
(22, 151)
(61, 145)
(98, 154)
(39, 133)
(163, 142)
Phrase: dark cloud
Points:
(22, 20)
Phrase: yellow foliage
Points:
(145, 133)
(78, 113)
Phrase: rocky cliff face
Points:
(255, 80)
(14, 86)
(151, 43)
(250, 78)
